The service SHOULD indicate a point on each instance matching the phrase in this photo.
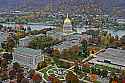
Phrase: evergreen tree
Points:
(83, 49)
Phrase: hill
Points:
(115, 7)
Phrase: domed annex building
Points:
(67, 26)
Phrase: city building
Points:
(55, 34)
(73, 37)
(66, 45)
(28, 57)
(24, 42)
(2, 38)
(121, 21)
(110, 57)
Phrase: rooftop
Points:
(66, 44)
(116, 56)
(27, 51)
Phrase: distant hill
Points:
(117, 6)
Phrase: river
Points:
(37, 26)
(120, 33)
(32, 26)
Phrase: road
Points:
(71, 62)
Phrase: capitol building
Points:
(67, 26)
(67, 29)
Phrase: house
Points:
(28, 57)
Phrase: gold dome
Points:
(67, 26)
(67, 20)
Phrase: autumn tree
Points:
(66, 53)
(71, 77)
(16, 66)
(10, 44)
(93, 77)
(106, 39)
(3, 63)
(53, 79)
(122, 39)
(41, 65)
(56, 52)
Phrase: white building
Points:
(24, 42)
(55, 34)
(66, 45)
(121, 21)
(110, 57)
(28, 57)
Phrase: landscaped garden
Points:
(53, 70)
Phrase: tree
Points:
(53, 79)
(71, 78)
(116, 43)
(4, 64)
(41, 65)
(3, 75)
(106, 39)
(35, 32)
(56, 53)
(123, 74)
(86, 69)
(42, 42)
(10, 44)
(122, 39)
(104, 73)
(8, 56)
(1, 26)
(93, 70)
(3, 45)
(93, 77)
(98, 71)
(12, 74)
(16, 66)
(20, 76)
(115, 79)
(66, 53)
(1, 50)
(83, 49)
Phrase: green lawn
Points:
(110, 68)
(50, 71)
(44, 71)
